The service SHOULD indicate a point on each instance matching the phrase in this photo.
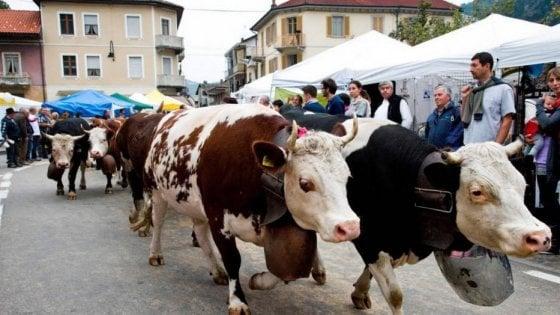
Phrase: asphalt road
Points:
(60, 256)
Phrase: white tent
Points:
(368, 50)
(261, 86)
(139, 97)
(19, 102)
(533, 50)
(452, 52)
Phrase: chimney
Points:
(273, 4)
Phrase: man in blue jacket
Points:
(335, 106)
(444, 128)
(310, 100)
(10, 130)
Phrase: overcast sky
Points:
(210, 28)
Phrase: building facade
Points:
(241, 68)
(21, 67)
(123, 46)
(299, 29)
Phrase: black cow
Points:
(69, 150)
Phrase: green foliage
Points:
(424, 27)
(540, 11)
(4, 5)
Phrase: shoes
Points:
(19, 165)
(25, 163)
(37, 159)
(12, 165)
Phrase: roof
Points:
(159, 3)
(20, 23)
(438, 5)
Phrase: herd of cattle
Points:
(245, 171)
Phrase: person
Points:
(25, 130)
(335, 105)
(345, 100)
(265, 101)
(393, 107)
(310, 100)
(358, 105)
(297, 101)
(45, 124)
(531, 129)
(106, 114)
(488, 109)
(444, 127)
(547, 166)
(34, 137)
(121, 113)
(10, 130)
(54, 117)
(277, 104)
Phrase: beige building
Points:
(123, 46)
(241, 67)
(296, 30)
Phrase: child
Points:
(551, 103)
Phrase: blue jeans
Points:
(32, 147)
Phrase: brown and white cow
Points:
(207, 163)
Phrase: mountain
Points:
(530, 10)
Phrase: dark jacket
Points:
(10, 129)
(335, 106)
(394, 110)
(23, 124)
(314, 107)
(550, 126)
(445, 129)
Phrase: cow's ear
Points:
(269, 156)
(443, 176)
(110, 134)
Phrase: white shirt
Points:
(381, 113)
(34, 122)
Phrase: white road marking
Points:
(5, 184)
(543, 275)
(1, 210)
(23, 168)
(3, 194)
(7, 176)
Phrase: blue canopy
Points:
(88, 103)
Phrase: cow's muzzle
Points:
(347, 231)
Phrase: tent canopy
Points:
(87, 103)
(261, 86)
(533, 50)
(169, 103)
(452, 52)
(7, 99)
(368, 50)
(137, 105)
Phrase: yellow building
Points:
(296, 30)
(123, 46)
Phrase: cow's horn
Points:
(50, 137)
(514, 147)
(452, 157)
(84, 130)
(351, 135)
(291, 142)
(78, 137)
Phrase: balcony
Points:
(170, 80)
(169, 42)
(15, 80)
(291, 43)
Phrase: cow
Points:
(133, 142)
(386, 162)
(207, 163)
(69, 150)
(104, 150)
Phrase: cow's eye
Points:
(306, 185)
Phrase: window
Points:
(292, 25)
(167, 65)
(93, 66)
(291, 60)
(66, 23)
(133, 26)
(135, 67)
(378, 23)
(272, 65)
(164, 26)
(69, 66)
(91, 24)
(12, 63)
(337, 26)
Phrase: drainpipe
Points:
(43, 68)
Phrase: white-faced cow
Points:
(207, 163)
(390, 165)
(69, 150)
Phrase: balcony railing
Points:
(291, 41)
(170, 80)
(22, 79)
(169, 42)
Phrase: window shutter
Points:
(329, 26)
(299, 25)
(284, 26)
(346, 26)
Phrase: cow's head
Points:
(99, 141)
(490, 200)
(315, 177)
(63, 148)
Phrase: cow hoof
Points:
(123, 184)
(71, 195)
(156, 260)
(143, 233)
(238, 308)
(132, 218)
(108, 191)
(361, 300)
(220, 277)
(60, 192)
(319, 276)
(83, 187)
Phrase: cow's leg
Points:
(72, 180)
(318, 270)
(108, 167)
(202, 230)
(83, 176)
(263, 281)
(124, 179)
(109, 185)
(383, 272)
(144, 221)
(56, 174)
(159, 209)
(360, 295)
(137, 196)
(59, 187)
(237, 304)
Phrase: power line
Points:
(225, 10)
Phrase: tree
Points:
(483, 8)
(553, 16)
(424, 27)
(4, 5)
